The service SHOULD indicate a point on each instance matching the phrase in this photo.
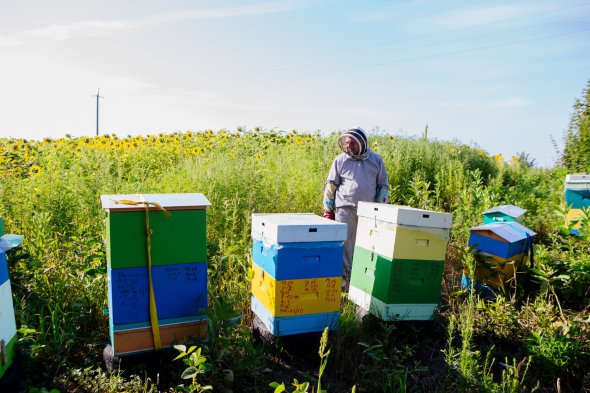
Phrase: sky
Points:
(500, 75)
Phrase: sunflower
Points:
(35, 170)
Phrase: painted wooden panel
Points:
(296, 297)
(180, 290)
(499, 217)
(139, 340)
(391, 312)
(180, 238)
(404, 215)
(291, 261)
(7, 355)
(3, 268)
(181, 201)
(574, 214)
(401, 241)
(495, 271)
(296, 227)
(577, 181)
(393, 281)
(285, 326)
(7, 320)
(577, 199)
(497, 247)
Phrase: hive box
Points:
(296, 297)
(8, 335)
(179, 268)
(495, 271)
(577, 191)
(401, 241)
(404, 215)
(136, 338)
(503, 213)
(179, 238)
(575, 214)
(286, 326)
(398, 261)
(278, 228)
(181, 291)
(299, 260)
(504, 240)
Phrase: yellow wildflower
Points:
(35, 170)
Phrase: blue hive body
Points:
(577, 191)
(3, 268)
(286, 326)
(501, 239)
(181, 291)
(299, 260)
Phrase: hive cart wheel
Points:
(111, 361)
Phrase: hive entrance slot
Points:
(313, 229)
(425, 215)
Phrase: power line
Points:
(441, 54)
(356, 49)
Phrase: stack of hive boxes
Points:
(501, 248)
(297, 272)
(7, 322)
(178, 269)
(399, 261)
(577, 197)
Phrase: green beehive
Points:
(177, 239)
(397, 281)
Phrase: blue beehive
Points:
(289, 261)
(504, 240)
(297, 265)
(128, 292)
(577, 191)
(503, 213)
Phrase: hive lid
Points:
(167, 201)
(274, 228)
(405, 215)
(577, 181)
(509, 210)
(510, 231)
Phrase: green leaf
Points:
(278, 388)
(189, 373)
(192, 348)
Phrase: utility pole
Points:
(97, 97)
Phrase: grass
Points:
(49, 193)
